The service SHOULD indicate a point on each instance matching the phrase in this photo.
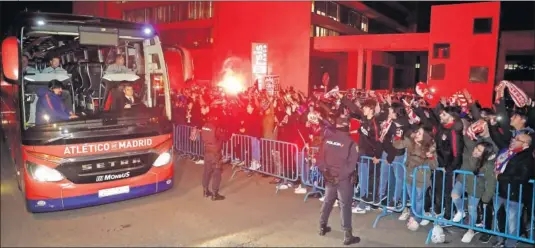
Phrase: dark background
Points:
(515, 15)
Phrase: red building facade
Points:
(344, 39)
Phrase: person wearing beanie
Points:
(336, 161)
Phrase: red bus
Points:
(85, 144)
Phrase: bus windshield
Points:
(66, 81)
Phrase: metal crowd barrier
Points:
(190, 145)
(380, 189)
(283, 160)
(186, 144)
(277, 158)
(514, 210)
(310, 174)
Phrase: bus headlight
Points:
(42, 173)
(163, 159)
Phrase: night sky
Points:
(515, 15)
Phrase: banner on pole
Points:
(272, 84)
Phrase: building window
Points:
(364, 24)
(328, 9)
(437, 71)
(441, 51)
(350, 18)
(479, 74)
(320, 8)
(321, 31)
(482, 25)
(333, 11)
(341, 13)
(519, 68)
(137, 15)
(176, 12)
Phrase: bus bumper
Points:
(97, 198)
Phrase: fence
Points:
(269, 157)
(380, 184)
(512, 228)
(188, 143)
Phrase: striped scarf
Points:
(476, 128)
(385, 126)
(519, 96)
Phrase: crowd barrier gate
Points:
(277, 158)
(186, 144)
(387, 193)
(438, 219)
(189, 144)
(311, 176)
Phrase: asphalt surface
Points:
(252, 216)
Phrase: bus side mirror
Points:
(11, 59)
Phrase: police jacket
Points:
(212, 137)
(450, 145)
(338, 154)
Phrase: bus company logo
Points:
(112, 164)
(107, 147)
(112, 177)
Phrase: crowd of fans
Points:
(496, 144)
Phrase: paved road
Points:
(251, 216)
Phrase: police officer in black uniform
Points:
(336, 160)
(213, 138)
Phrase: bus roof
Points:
(30, 18)
(45, 31)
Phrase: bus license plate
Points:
(113, 191)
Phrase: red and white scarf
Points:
(385, 126)
(459, 100)
(476, 128)
(519, 96)
(413, 117)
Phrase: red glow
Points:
(232, 83)
(300, 61)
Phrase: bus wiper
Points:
(57, 138)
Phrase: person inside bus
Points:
(54, 67)
(50, 105)
(127, 100)
(26, 69)
(118, 67)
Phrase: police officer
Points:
(336, 160)
(213, 138)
